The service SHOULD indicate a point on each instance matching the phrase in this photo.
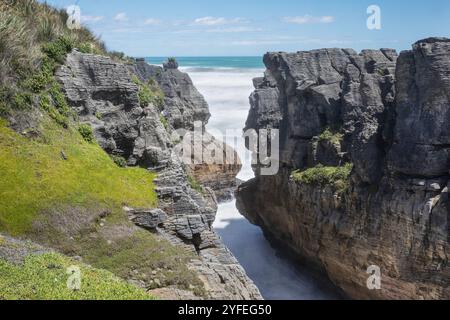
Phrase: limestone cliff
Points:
(104, 95)
(183, 106)
(385, 116)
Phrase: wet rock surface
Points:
(387, 115)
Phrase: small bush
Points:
(86, 48)
(328, 136)
(164, 122)
(22, 101)
(149, 93)
(87, 133)
(337, 177)
(60, 99)
(120, 161)
(45, 102)
(58, 49)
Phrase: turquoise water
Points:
(214, 62)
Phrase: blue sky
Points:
(253, 27)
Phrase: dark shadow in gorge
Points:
(277, 274)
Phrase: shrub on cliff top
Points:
(336, 177)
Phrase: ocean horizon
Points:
(222, 62)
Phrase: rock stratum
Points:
(387, 116)
(104, 95)
(184, 106)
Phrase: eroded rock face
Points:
(183, 103)
(391, 112)
(103, 94)
(184, 106)
(422, 132)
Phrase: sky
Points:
(144, 28)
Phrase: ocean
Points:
(226, 83)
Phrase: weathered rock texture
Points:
(183, 107)
(392, 113)
(215, 167)
(104, 96)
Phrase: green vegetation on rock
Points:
(120, 161)
(149, 93)
(31, 31)
(86, 132)
(329, 136)
(145, 258)
(195, 184)
(58, 187)
(164, 122)
(44, 277)
(35, 177)
(336, 177)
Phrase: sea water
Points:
(226, 83)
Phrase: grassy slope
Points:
(35, 177)
(75, 206)
(44, 277)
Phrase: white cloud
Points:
(91, 19)
(296, 41)
(235, 30)
(216, 21)
(255, 42)
(152, 22)
(307, 19)
(121, 17)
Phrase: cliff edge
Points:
(364, 165)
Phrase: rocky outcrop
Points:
(216, 167)
(385, 114)
(184, 106)
(103, 95)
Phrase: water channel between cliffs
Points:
(226, 84)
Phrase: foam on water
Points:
(227, 94)
(226, 84)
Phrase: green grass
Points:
(336, 177)
(35, 177)
(25, 27)
(328, 136)
(144, 257)
(44, 277)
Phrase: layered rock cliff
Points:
(383, 116)
(184, 106)
(104, 95)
